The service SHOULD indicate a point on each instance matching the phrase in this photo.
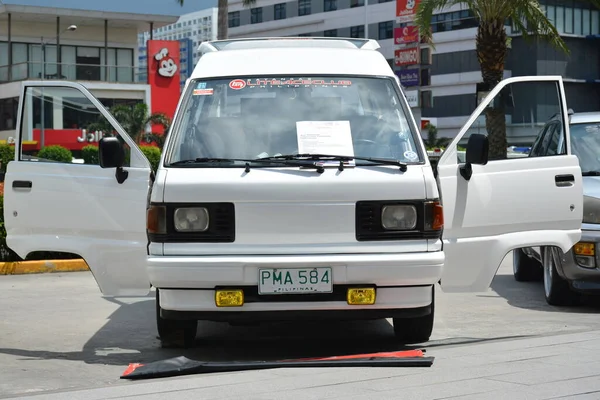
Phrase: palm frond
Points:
(531, 20)
(248, 3)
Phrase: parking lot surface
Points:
(60, 339)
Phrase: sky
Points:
(161, 7)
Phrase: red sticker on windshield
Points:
(237, 84)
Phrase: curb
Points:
(42, 266)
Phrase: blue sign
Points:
(409, 77)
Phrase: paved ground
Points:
(57, 333)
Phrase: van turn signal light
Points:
(584, 249)
(360, 296)
(229, 298)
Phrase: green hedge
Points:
(90, 154)
(56, 153)
(152, 154)
(7, 154)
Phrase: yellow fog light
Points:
(229, 298)
(360, 296)
(584, 249)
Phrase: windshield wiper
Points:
(341, 159)
(247, 162)
(590, 173)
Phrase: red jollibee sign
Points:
(163, 77)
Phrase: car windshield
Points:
(258, 117)
(585, 144)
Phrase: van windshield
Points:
(258, 117)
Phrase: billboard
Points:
(408, 34)
(412, 96)
(164, 71)
(406, 10)
(409, 56)
(409, 77)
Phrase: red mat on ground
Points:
(184, 366)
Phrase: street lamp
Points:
(71, 28)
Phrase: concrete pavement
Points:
(57, 333)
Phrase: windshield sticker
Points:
(203, 92)
(238, 84)
(411, 155)
(325, 137)
(201, 85)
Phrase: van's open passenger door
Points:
(494, 206)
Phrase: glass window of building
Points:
(357, 3)
(330, 33)
(330, 5)
(304, 7)
(256, 16)
(279, 11)
(357, 31)
(386, 30)
(234, 19)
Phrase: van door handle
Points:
(564, 180)
(22, 184)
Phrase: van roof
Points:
(291, 56)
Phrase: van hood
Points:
(293, 211)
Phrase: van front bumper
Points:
(403, 281)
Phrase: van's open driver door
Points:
(63, 206)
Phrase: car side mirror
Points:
(112, 155)
(477, 153)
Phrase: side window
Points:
(66, 129)
(555, 141)
(515, 116)
(537, 148)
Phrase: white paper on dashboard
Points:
(325, 137)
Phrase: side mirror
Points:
(477, 153)
(112, 155)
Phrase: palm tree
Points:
(223, 19)
(134, 121)
(492, 45)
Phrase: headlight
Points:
(399, 217)
(591, 210)
(191, 219)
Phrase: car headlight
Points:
(591, 210)
(399, 217)
(191, 219)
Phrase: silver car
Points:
(567, 275)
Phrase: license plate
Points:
(294, 280)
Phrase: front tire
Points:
(525, 268)
(175, 333)
(556, 289)
(417, 329)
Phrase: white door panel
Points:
(77, 208)
(508, 203)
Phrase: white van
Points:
(293, 184)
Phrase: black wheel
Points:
(525, 268)
(556, 289)
(175, 333)
(417, 329)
